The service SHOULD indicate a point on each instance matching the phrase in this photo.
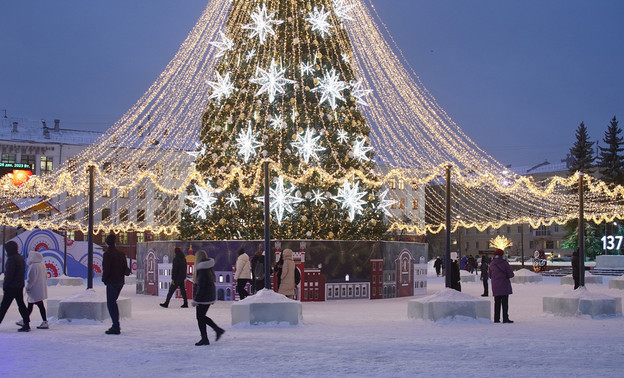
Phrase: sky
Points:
(518, 76)
(340, 338)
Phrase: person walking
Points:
(114, 268)
(13, 285)
(454, 272)
(243, 274)
(204, 294)
(500, 272)
(576, 269)
(485, 264)
(178, 278)
(37, 286)
(287, 277)
(437, 264)
(257, 271)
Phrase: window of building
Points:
(542, 231)
(550, 244)
(477, 245)
(71, 235)
(401, 203)
(9, 158)
(508, 230)
(532, 244)
(519, 229)
(105, 214)
(46, 164)
(29, 159)
(123, 215)
(141, 192)
(140, 237)
(123, 238)
(392, 184)
(106, 192)
(401, 185)
(140, 215)
(123, 193)
(414, 204)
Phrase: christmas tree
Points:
(284, 91)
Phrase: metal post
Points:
(581, 234)
(65, 253)
(267, 229)
(90, 238)
(522, 243)
(3, 242)
(447, 255)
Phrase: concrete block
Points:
(91, 305)
(266, 307)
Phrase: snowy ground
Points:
(336, 339)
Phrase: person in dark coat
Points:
(500, 272)
(576, 269)
(178, 278)
(257, 271)
(13, 286)
(114, 267)
(437, 264)
(454, 272)
(485, 264)
(204, 294)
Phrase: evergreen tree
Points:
(611, 161)
(582, 153)
(285, 90)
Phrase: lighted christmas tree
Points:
(285, 91)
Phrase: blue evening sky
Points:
(517, 75)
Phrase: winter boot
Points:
(25, 328)
(113, 331)
(20, 323)
(202, 342)
(220, 332)
(185, 305)
(165, 305)
(44, 325)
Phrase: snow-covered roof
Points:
(28, 130)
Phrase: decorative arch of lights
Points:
(144, 163)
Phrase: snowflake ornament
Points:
(360, 149)
(197, 152)
(343, 136)
(224, 46)
(250, 55)
(203, 201)
(307, 68)
(232, 200)
(350, 197)
(330, 87)
(277, 122)
(307, 145)
(271, 81)
(341, 9)
(262, 24)
(281, 200)
(318, 19)
(318, 197)
(247, 143)
(222, 88)
(346, 58)
(385, 204)
(359, 93)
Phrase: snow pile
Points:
(525, 276)
(448, 303)
(266, 308)
(617, 283)
(582, 302)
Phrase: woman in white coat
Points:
(37, 285)
(243, 274)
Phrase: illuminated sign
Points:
(18, 172)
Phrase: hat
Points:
(11, 248)
(241, 251)
(499, 252)
(177, 250)
(110, 240)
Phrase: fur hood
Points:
(34, 257)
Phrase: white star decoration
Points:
(318, 19)
(203, 201)
(307, 68)
(360, 149)
(319, 197)
(281, 200)
(345, 58)
(247, 143)
(232, 200)
(330, 87)
(262, 24)
(350, 198)
(343, 136)
(359, 93)
(277, 122)
(341, 9)
(271, 81)
(250, 55)
(225, 45)
(197, 152)
(222, 88)
(307, 146)
(385, 204)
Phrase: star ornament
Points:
(224, 45)
(281, 200)
(277, 122)
(360, 149)
(350, 197)
(343, 136)
(203, 201)
(247, 143)
(359, 93)
(330, 87)
(271, 81)
(342, 10)
(385, 204)
(197, 152)
(222, 87)
(318, 198)
(262, 24)
(306, 68)
(307, 145)
(232, 200)
(318, 20)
